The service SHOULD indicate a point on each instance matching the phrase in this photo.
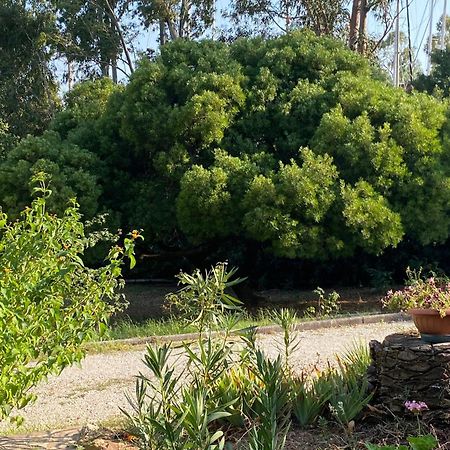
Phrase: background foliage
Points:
(259, 151)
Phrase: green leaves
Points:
(28, 91)
(426, 442)
(50, 301)
(203, 298)
(73, 172)
(367, 214)
(292, 142)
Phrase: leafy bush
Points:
(272, 406)
(74, 173)
(343, 391)
(310, 397)
(236, 386)
(326, 305)
(348, 398)
(204, 298)
(349, 394)
(225, 386)
(50, 301)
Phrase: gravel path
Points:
(92, 393)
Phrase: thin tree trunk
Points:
(182, 22)
(172, 30)
(114, 70)
(69, 74)
(121, 37)
(104, 67)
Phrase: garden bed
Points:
(93, 392)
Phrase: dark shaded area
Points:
(146, 300)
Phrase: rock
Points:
(406, 368)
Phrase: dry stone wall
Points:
(406, 368)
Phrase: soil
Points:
(327, 437)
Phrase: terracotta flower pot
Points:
(432, 327)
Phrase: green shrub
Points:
(326, 305)
(236, 386)
(348, 398)
(50, 301)
(350, 393)
(272, 405)
(293, 145)
(73, 170)
(204, 298)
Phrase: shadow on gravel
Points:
(61, 440)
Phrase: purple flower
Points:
(416, 407)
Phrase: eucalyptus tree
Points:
(177, 19)
(324, 17)
(28, 90)
(95, 35)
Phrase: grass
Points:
(124, 329)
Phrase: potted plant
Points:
(427, 299)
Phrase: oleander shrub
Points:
(194, 394)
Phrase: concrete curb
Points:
(269, 329)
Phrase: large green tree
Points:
(28, 92)
(324, 17)
(177, 19)
(295, 143)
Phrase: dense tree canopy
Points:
(74, 173)
(294, 142)
(294, 145)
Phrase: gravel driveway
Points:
(93, 393)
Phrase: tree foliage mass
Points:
(295, 143)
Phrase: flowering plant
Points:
(416, 407)
(428, 293)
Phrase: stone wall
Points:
(406, 368)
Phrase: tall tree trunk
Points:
(69, 74)
(114, 69)
(362, 35)
(172, 30)
(162, 32)
(354, 24)
(104, 67)
(183, 18)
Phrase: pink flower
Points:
(416, 407)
